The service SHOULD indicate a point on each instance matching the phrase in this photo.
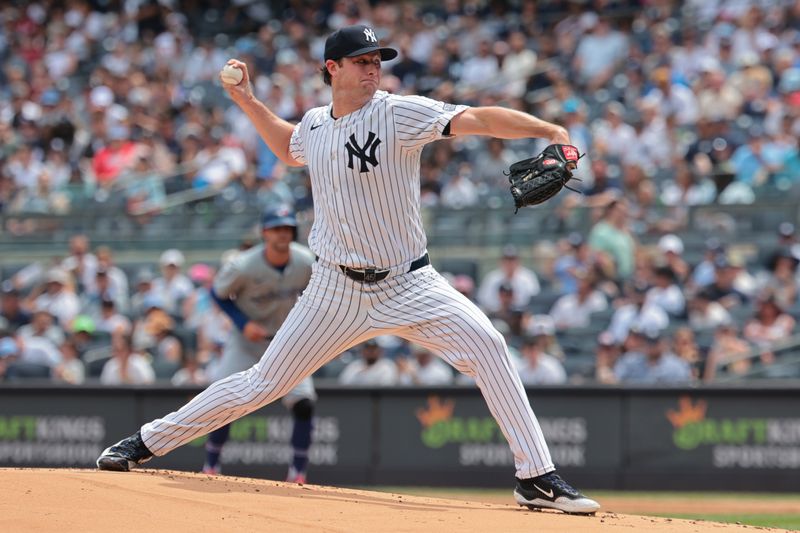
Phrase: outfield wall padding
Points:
(721, 438)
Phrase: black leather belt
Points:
(371, 275)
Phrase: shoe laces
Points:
(556, 481)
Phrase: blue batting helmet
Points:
(282, 215)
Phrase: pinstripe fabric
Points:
(364, 171)
(422, 307)
(371, 218)
(328, 318)
(335, 313)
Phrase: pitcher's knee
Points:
(495, 343)
(489, 347)
(253, 387)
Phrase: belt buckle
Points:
(365, 275)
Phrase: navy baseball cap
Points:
(282, 215)
(353, 41)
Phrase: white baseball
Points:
(231, 75)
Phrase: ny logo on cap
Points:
(370, 35)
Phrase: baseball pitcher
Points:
(373, 275)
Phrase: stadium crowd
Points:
(675, 104)
(83, 318)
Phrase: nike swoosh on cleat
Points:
(548, 494)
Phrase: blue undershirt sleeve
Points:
(230, 309)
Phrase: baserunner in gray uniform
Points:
(257, 289)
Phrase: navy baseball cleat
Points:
(551, 492)
(124, 455)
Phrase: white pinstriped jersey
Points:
(365, 177)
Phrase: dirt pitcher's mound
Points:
(62, 500)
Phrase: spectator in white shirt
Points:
(482, 69)
(103, 289)
(518, 65)
(126, 367)
(524, 282)
(491, 164)
(371, 369)
(751, 37)
(59, 297)
(704, 272)
(220, 162)
(606, 354)
(689, 58)
(542, 324)
(613, 135)
(705, 312)
(599, 52)
(80, 261)
(143, 292)
(33, 357)
(575, 310)
(190, 373)
(42, 325)
(173, 286)
(636, 313)
(686, 188)
(459, 192)
(109, 320)
(71, 369)
(25, 166)
(675, 99)
(538, 367)
(665, 292)
(655, 146)
(117, 279)
(671, 248)
(423, 368)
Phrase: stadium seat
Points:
(23, 370)
(543, 302)
(458, 266)
(95, 367)
(164, 370)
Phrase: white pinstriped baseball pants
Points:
(335, 313)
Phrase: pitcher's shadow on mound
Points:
(271, 489)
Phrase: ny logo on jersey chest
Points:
(365, 153)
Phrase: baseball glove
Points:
(539, 178)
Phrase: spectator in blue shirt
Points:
(651, 362)
(756, 161)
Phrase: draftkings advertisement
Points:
(604, 438)
(713, 432)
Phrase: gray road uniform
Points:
(265, 295)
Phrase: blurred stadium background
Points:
(653, 316)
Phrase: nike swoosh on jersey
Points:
(315, 127)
